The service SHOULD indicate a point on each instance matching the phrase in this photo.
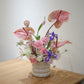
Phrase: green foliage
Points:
(52, 57)
(18, 43)
(27, 42)
(37, 37)
(39, 28)
(24, 54)
(48, 44)
(50, 49)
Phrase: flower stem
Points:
(49, 29)
(48, 44)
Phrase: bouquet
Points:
(44, 49)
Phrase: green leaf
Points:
(39, 28)
(50, 49)
(18, 43)
(27, 42)
(37, 37)
(52, 57)
(24, 54)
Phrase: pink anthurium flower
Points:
(59, 16)
(24, 33)
(60, 44)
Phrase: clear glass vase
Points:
(41, 69)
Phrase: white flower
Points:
(39, 58)
(28, 50)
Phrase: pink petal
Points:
(64, 16)
(38, 44)
(43, 50)
(44, 22)
(63, 43)
(22, 33)
(26, 23)
(53, 15)
(30, 32)
(44, 40)
(60, 15)
(52, 45)
(58, 24)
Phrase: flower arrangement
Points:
(43, 49)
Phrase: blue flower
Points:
(46, 59)
(54, 55)
(50, 55)
(52, 35)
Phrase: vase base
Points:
(41, 75)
